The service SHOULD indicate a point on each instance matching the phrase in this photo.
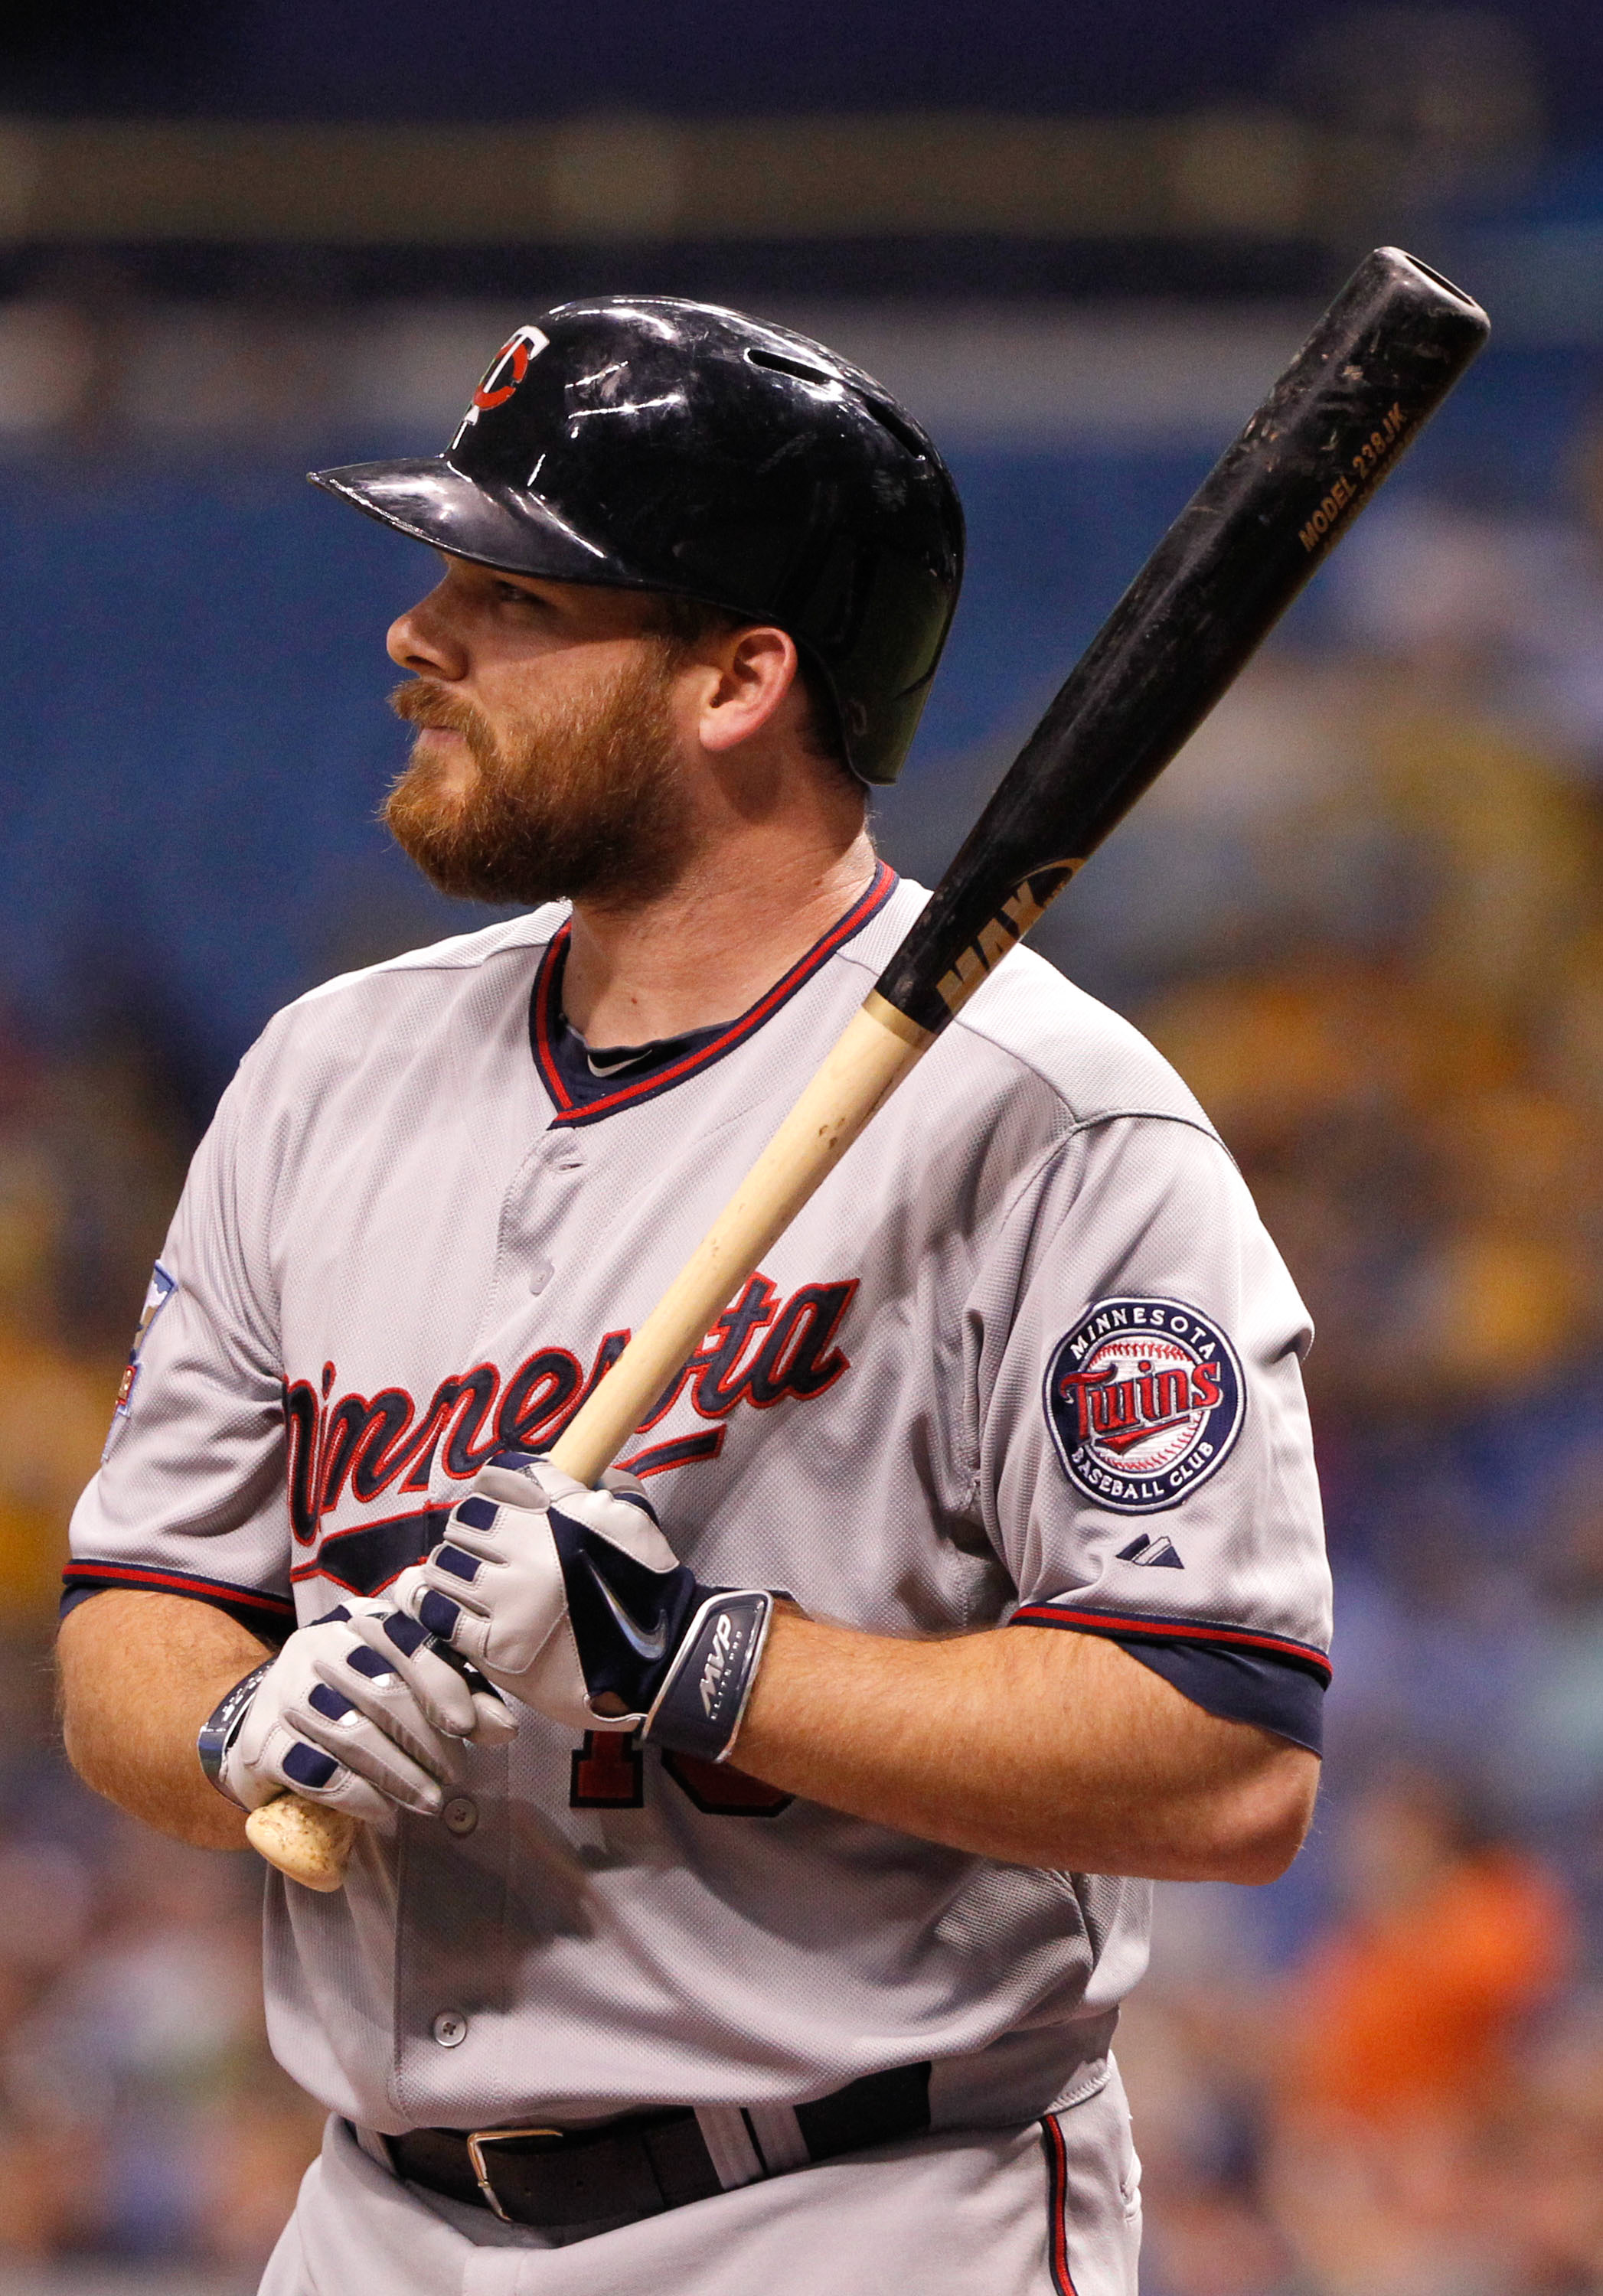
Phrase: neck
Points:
(750, 904)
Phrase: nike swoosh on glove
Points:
(573, 1601)
(359, 1710)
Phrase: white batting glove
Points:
(357, 1710)
(572, 1600)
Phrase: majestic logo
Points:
(1160, 1553)
(1145, 1398)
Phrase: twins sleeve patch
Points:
(1145, 1398)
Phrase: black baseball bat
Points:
(1377, 366)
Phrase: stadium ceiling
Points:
(1036, 147)
(1255, 173)
(507, 60)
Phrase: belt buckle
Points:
(478, 2138)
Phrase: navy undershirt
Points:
(1258, 1686)
(590, 1074)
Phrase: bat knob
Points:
(307, 1842)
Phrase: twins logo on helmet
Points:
(504, 373)
(1145, 1398)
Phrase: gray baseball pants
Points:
(973, 2213)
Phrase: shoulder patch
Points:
(1145, 1400)
(162, 1285)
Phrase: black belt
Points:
(562, 2181)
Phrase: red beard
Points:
(588, 802)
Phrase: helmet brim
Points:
(429, 499)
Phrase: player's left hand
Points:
(572, 1600)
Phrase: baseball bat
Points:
(1376, 367)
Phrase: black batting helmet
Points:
(650, 443)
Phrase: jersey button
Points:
(540, 1275)
(461, 1814)
(449, 2029)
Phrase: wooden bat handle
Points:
(307, 1842)
(878, 1046)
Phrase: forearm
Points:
(139, 1674)
(1026, 1744)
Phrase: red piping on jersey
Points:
(172, 1582)
(1169, 1630)
(569, 1111)
(683, 1451)
(1057, 2206)
(348, 1586)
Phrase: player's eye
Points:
(511, 594)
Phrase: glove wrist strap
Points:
(222, 1727)
(702, 1700)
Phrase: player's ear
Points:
(753, 671)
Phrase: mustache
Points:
(420, 702)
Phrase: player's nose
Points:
(422, 639)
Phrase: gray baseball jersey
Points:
(1027, 1355)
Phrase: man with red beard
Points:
(602, 2009)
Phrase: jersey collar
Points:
(706, 1046)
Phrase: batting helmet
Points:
(650, 443)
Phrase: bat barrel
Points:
(1377, 366)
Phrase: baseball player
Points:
(756, 1848)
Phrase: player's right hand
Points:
(359, 1710)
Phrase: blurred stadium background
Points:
(1364, 915)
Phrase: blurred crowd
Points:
(140, 2115)
(1386, 2073)
(1412, 2106)
(1367, 927)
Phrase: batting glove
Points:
(573, 1601)
(356, 1710)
